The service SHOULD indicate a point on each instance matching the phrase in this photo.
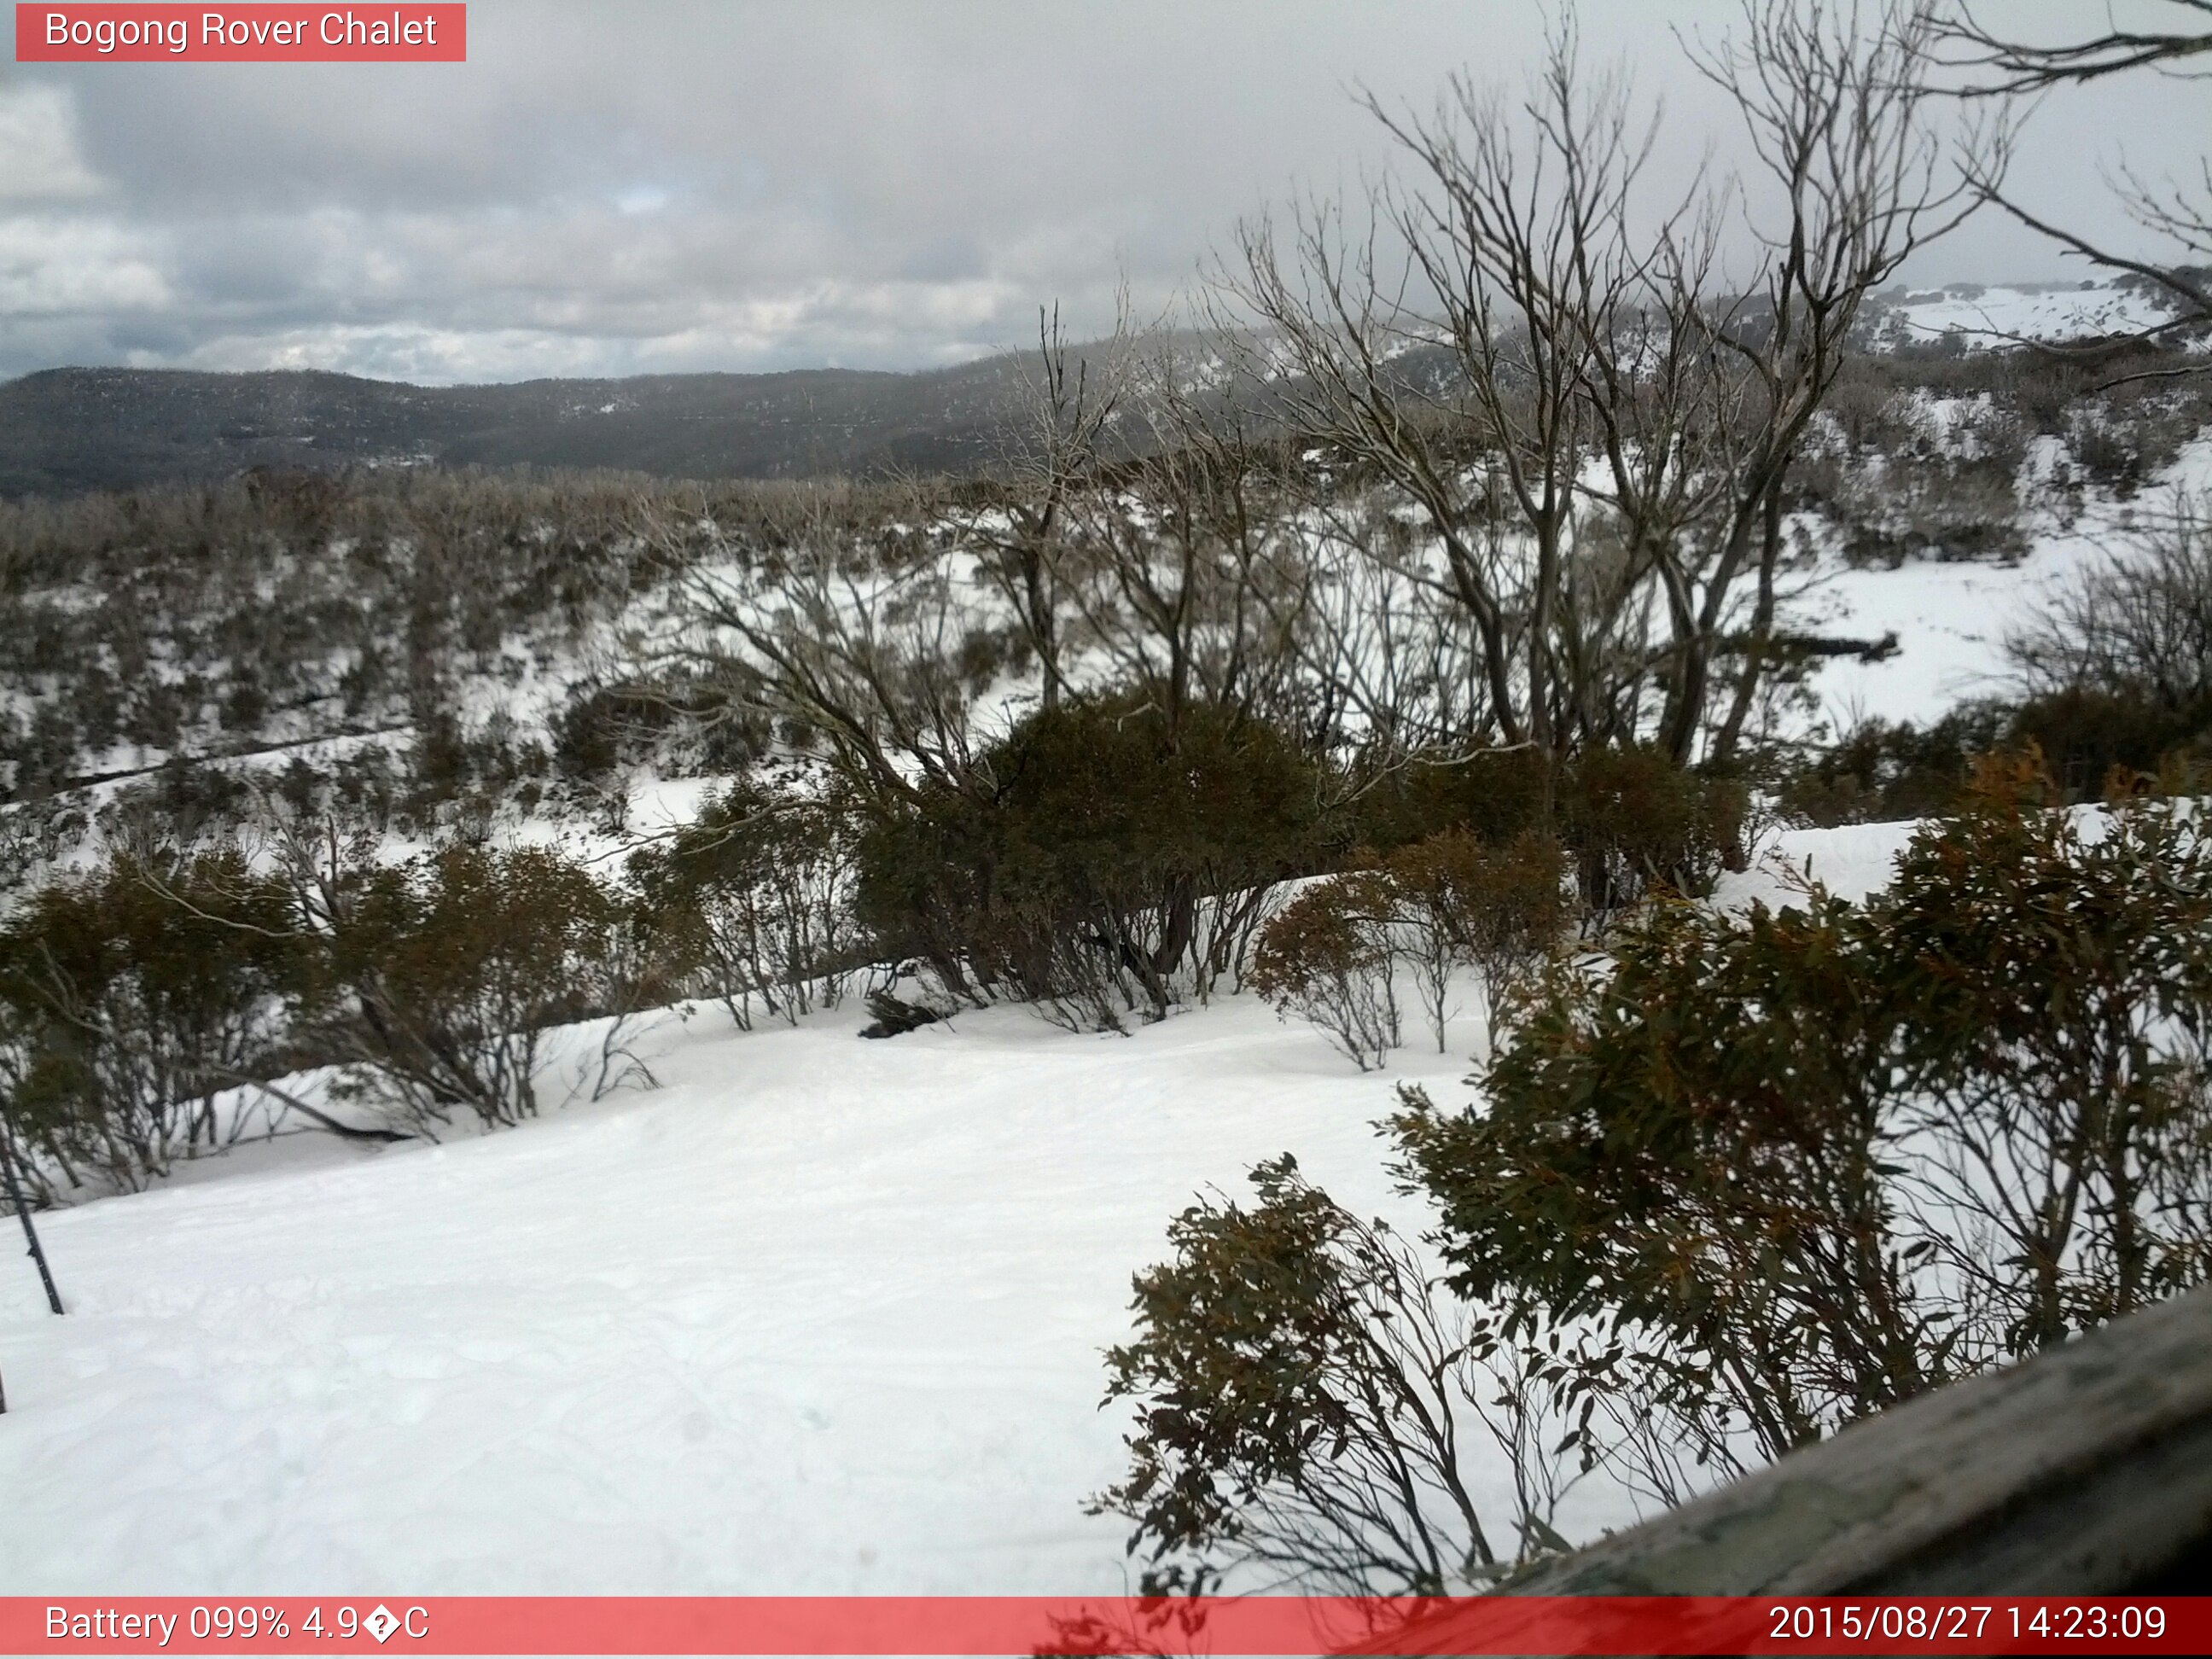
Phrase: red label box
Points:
(358, 33)
(1219, 1628)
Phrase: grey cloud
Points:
(610, 188)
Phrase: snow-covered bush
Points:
(2123, 442)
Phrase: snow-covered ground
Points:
(1850, 863)
(818, 1315)
(1951, 616)
(1985, 316)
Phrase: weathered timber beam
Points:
(2087, 1470)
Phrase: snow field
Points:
(1994, 316)
(819, 1315)
(1951, 616)
(816, 1317)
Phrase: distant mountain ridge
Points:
(66, 430)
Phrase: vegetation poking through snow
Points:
(1743, 1180)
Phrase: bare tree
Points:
(1190, 579)
(1441, 348)
(2020, 67)
(1391, 671)
(1522, 317)
(856, 638)
(1839, 106)
(2138, 625)
(1070, 403)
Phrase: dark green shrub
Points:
(1799, 1166)
(2087, 734)
(1883, 771)
(1634, 821)
(1303, 1406)
(437, 980)
(757, 895)
(1100, 860)
(606, 727)
(2053, 983)
(925, 889)
(1664, 1157)
(1495, 794)
(131, 997)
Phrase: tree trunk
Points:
(1762, 630)
(23, 1214)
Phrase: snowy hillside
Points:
(1979, 317)
(815, 1315)
(1951, 616)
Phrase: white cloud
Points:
(56, 266)
(40, 157)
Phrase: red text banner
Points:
(80, 33)
(399, 1624)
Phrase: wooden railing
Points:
(2085, 1471)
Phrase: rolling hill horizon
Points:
(66, 430)
(71, 429)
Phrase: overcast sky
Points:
(609, 189)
